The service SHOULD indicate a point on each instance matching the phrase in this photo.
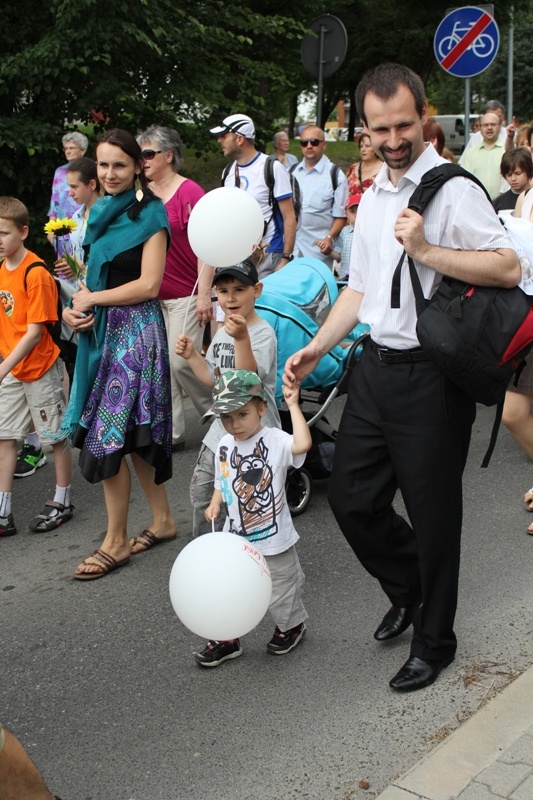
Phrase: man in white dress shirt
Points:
(405, 425)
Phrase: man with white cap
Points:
(236, 136)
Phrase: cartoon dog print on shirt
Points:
(258, 507)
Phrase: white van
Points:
(453, 126)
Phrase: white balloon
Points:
(220, 586)
(225, 226)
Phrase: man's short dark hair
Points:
(517, 158)
(384, 81)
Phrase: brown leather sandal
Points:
(148, 539)
(106, 565)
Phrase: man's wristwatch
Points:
(287, 256)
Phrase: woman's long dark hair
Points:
(128, 144)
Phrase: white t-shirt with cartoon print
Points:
(251, 477)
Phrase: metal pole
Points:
(510, 68)
(467, 110)
(320, 102)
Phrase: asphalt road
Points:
(98, 679)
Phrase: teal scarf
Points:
(109, 232)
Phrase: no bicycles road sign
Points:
(466, 41)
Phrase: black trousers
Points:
(405, 426)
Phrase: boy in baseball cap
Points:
(250, 472)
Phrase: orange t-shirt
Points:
(21, 307)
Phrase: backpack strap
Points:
(334, 174)
(30, 267)
(493, 435)
(268, 175)
(428, 187)
(226, 172)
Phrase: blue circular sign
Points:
(466, 41)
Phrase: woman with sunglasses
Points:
(362, 174)
(120, 400)
(185, 293)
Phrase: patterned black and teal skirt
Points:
(129, 409)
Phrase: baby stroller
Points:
(296, 301)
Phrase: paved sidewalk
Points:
(490, 756)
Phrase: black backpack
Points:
(67, 347)
(478, 335)
(269, 178)
(268, 174)
(334, 175)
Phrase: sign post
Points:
(465, 44)
(323, 52)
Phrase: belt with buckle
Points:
(390, 356)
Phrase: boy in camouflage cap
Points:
(250, 472)
(233, 389)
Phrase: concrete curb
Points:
(448, 769)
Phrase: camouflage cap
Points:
(233, 389)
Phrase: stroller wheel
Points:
(298, 488)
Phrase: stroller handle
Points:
(354, 353)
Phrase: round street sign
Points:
(466, 41)
(335, 44)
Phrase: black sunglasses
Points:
(149, 154)
(314, 142)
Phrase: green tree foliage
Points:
(131, 63)
(493, 82)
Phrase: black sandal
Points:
(45, 521)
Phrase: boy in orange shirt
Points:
(31, 371)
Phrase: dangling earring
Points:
(139, 194)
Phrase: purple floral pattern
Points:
(129, 407)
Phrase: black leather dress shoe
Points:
(416, 674)
(396, 621)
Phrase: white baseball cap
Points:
(236, 123)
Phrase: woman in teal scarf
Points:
(120, 400)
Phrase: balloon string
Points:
(192, 297)
(212, 525)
